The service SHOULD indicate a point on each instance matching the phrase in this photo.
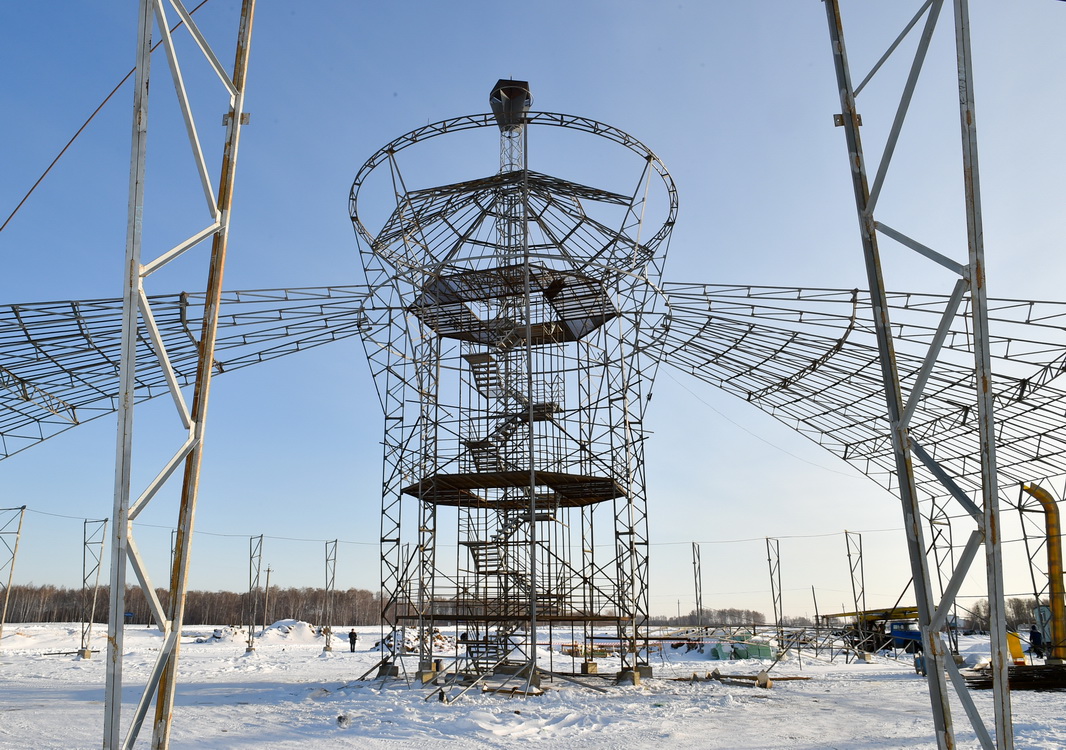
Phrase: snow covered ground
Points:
(289, 694)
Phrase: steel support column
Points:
(932, 617)
(697, 574)
(136, 306)
(773, 559)
(251, 607)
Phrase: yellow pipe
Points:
(1057, 647)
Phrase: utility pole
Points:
(255, 559)
(93, 536)
(266, 601)
(11, 551)
(697, 572)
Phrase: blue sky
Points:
(736, 99)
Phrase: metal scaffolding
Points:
(513, 330)
(773, 560)
(251, 604)
(853, 542)
(697, 576)
(513, 324)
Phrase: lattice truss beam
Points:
(805, 356)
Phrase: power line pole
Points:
(255, 560)
(697, 572)
(327, 609)
(92, 555)
(10, 552)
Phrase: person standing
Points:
(1036, 642)
(352, 638)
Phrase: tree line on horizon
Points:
(47, 603)
(727, 616)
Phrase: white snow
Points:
(288, 693)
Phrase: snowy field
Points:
(289, 694)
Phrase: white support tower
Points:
(142, 340)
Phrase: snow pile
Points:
(290, 631)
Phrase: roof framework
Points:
(805, 356)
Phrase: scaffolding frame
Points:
(773, 560)
(853, 543)
(512, 334)
(327, 602)
(697, 575)
(251, 605)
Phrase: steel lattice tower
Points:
(513, 328)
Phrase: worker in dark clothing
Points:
(352, 638)
(1036, 642)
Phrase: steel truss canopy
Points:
(809, 358)
(61, 359)
(805, 356)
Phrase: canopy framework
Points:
(61, 359)
(802, 355)
(805, 356)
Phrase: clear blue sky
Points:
(736, 98)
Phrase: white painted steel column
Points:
(130, 293)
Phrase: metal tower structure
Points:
(697, 575)
(9, 549)
(255, 566)
(853, 542)
(138, 331)
(773, 559)
(513, 328)
(94, 534)
(821, 361)
(327, 601)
